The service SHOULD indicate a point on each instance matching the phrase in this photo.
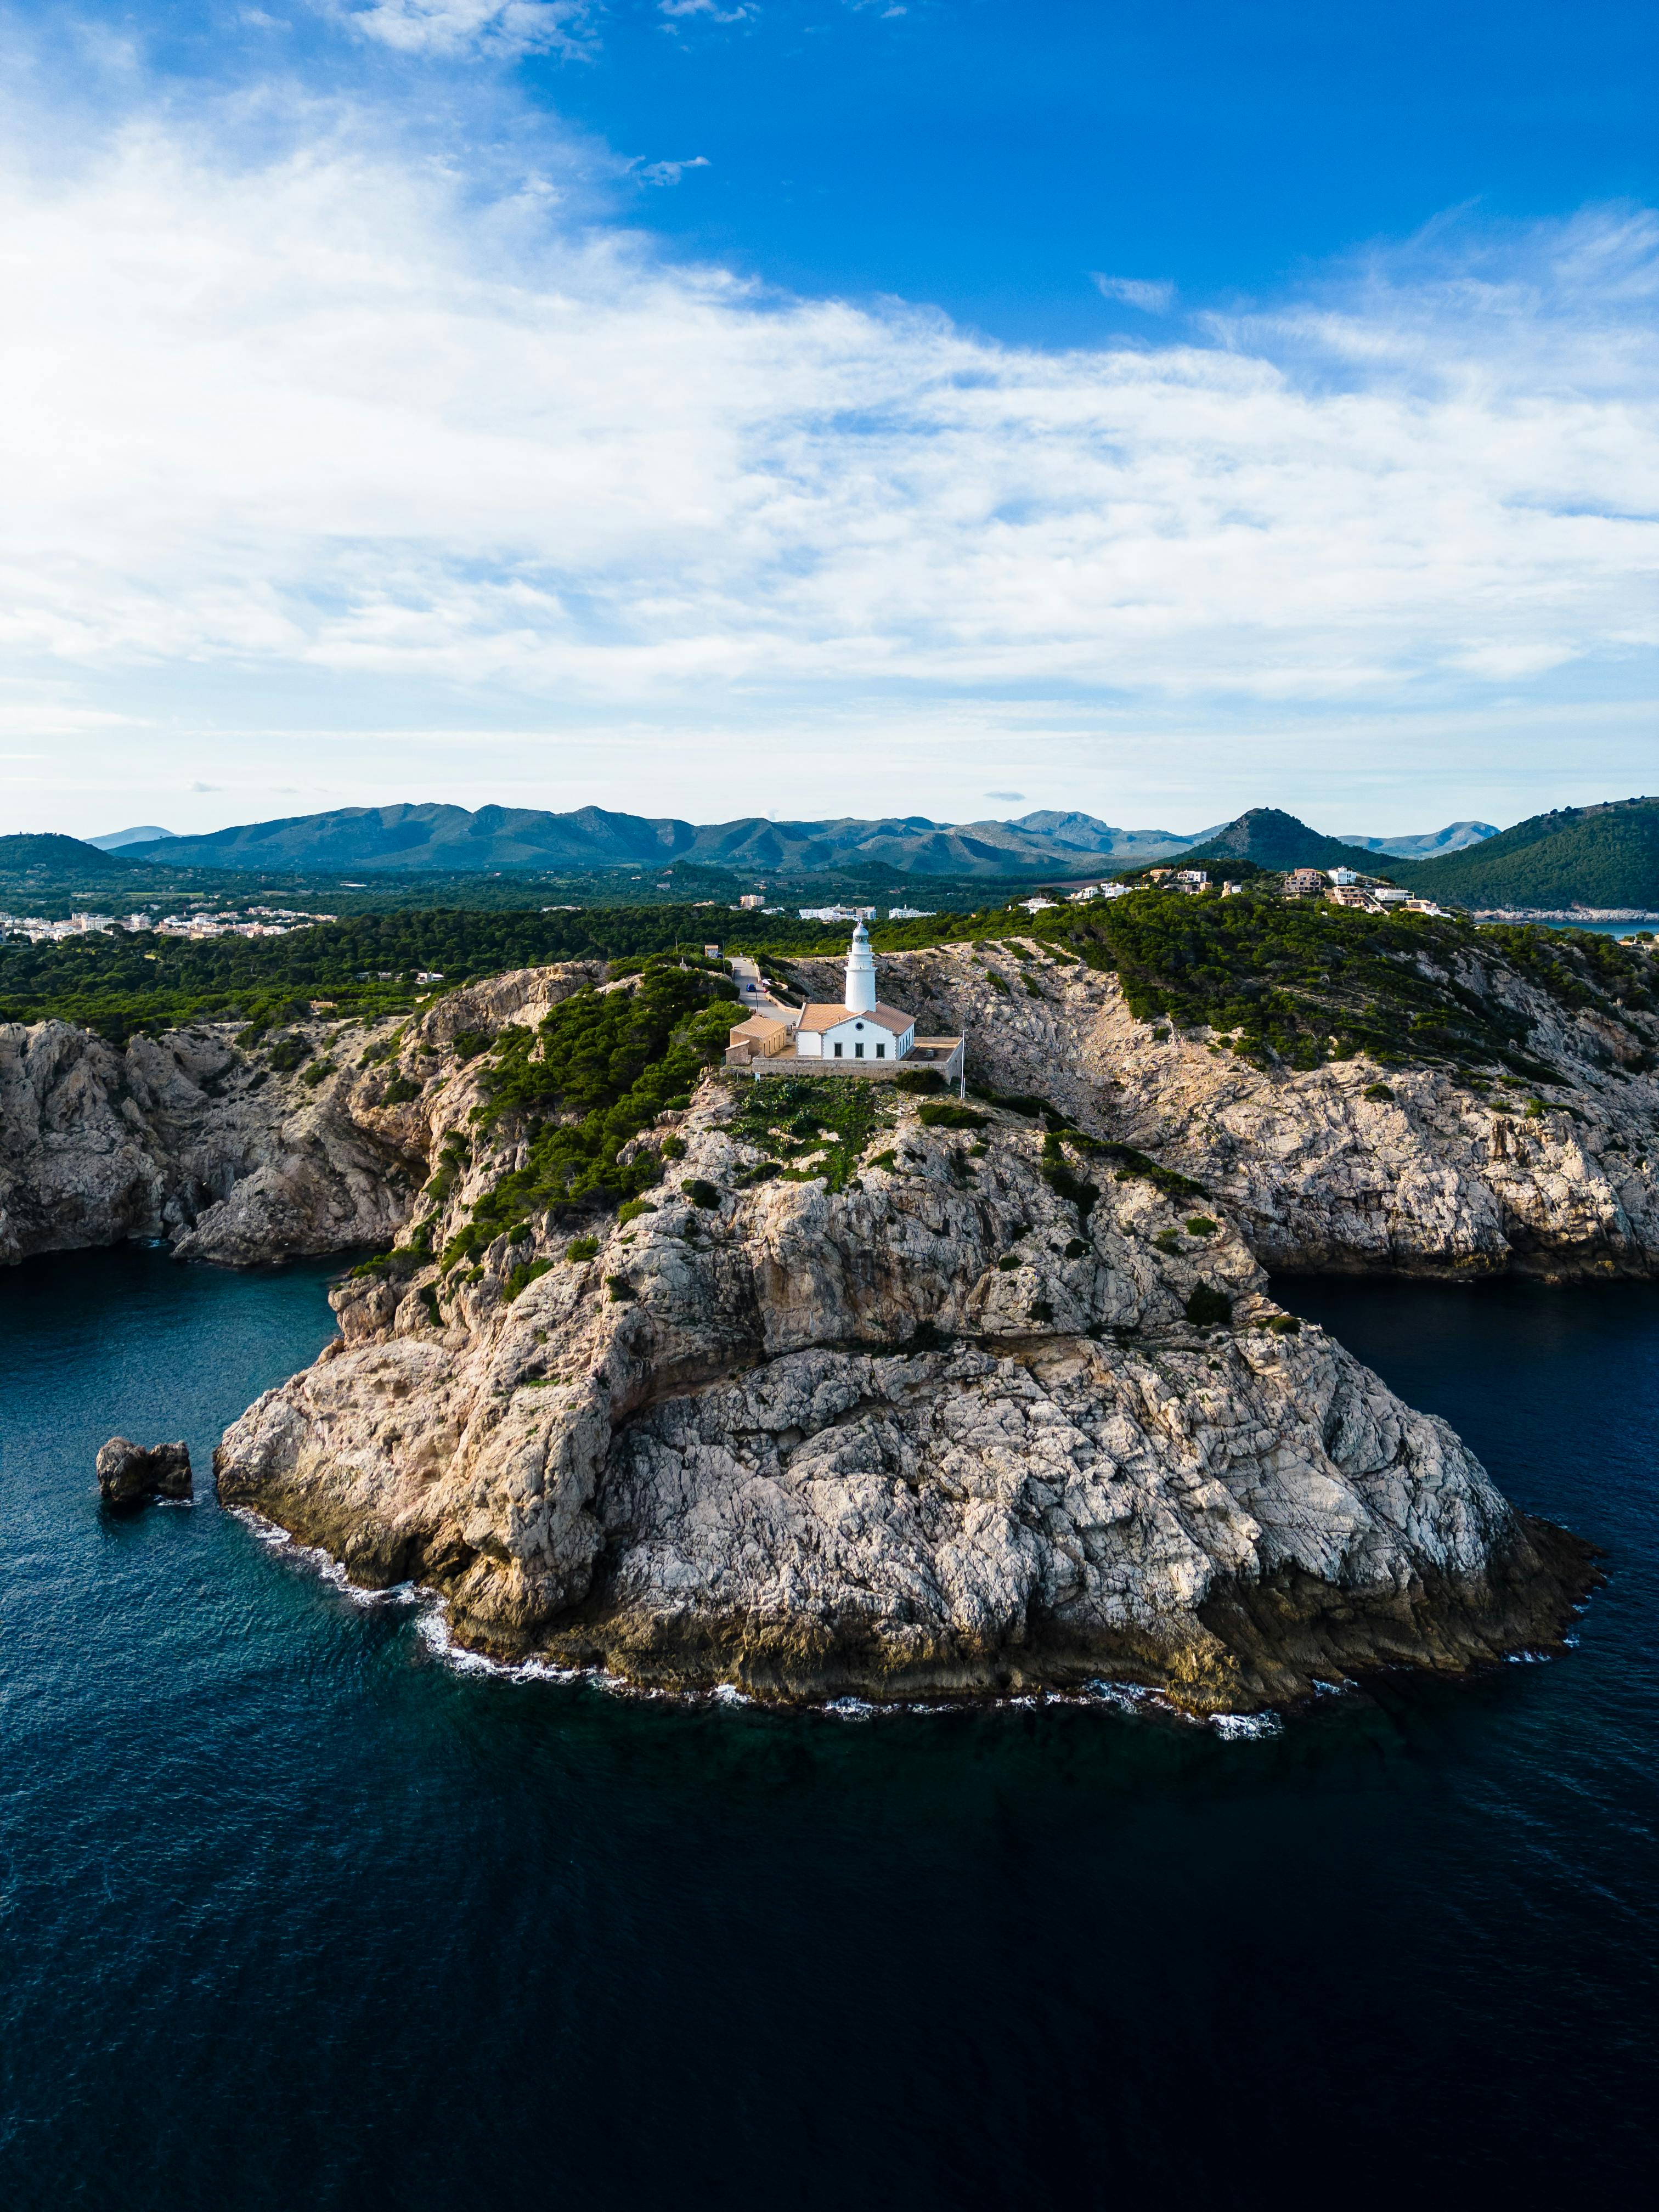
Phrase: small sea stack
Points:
(132, 1474)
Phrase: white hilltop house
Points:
(860, 1036)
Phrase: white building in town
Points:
(860, 1036)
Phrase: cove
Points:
(295, 1913)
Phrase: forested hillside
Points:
(1594, 856)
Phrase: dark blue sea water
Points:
(295, 1916)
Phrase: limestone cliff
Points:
(1350, 1167)
(235, 1155)
(993, 1412)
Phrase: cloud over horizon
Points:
(363, 413)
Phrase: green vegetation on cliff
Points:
(578, 1088)
(1304, 982)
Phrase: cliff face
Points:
(230, 1157)
(1435, 1180)
(948, 1429)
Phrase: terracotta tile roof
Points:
(758, 1025)
(828, 1018)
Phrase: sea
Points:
(296, 1912)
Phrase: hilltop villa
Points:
(860, 1036)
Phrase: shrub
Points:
(927, 1336)
(1284, 1325)
(1010, 1263)
(1378, 1091)
(467, 1044)
(701, 1192)
(1167, 1240)
(1202, 1226)
(620, 1288)
(1207, 1308)
(997, 982)
(1012, 1101)
(978, 1151)
(633, 1209)
(289, 1053)
(671, 1148)
(941, 1114)
(315, 1074)
(521, 1277)
(582, 1248)
(888, 1160)
(399, 1092)
(920, 1080)
(519, 1233)
(1534, 1109)
(1041, 1310)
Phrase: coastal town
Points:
(253, 921)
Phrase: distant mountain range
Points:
(146, 835)
(1606, 855)
(441, 840)
(1430, 846)
(436, 839)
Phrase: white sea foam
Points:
(850, 1709)
(1246, 1728)
(1527, 1658)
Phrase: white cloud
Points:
(710, 9)
(668, 172)
(343, 427)
(1151, 298)
(448, 29)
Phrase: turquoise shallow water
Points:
(293, 1914)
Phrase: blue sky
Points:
(812, 407)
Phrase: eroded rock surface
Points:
(227, 1156)
(945, 1430)
(1434, 1180)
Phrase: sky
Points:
(804, 408)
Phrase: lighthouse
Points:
(860, 973)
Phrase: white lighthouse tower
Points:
(860, 973)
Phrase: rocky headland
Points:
(945, 1402)
(898, 1397)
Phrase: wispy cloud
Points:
(710, 10)
(344, 417)
(1151, 298)
(668, 172)
(448, 29)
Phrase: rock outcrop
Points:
(1348, 1167)
(241, 1156)
(988, 1416)
(131, 1475)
